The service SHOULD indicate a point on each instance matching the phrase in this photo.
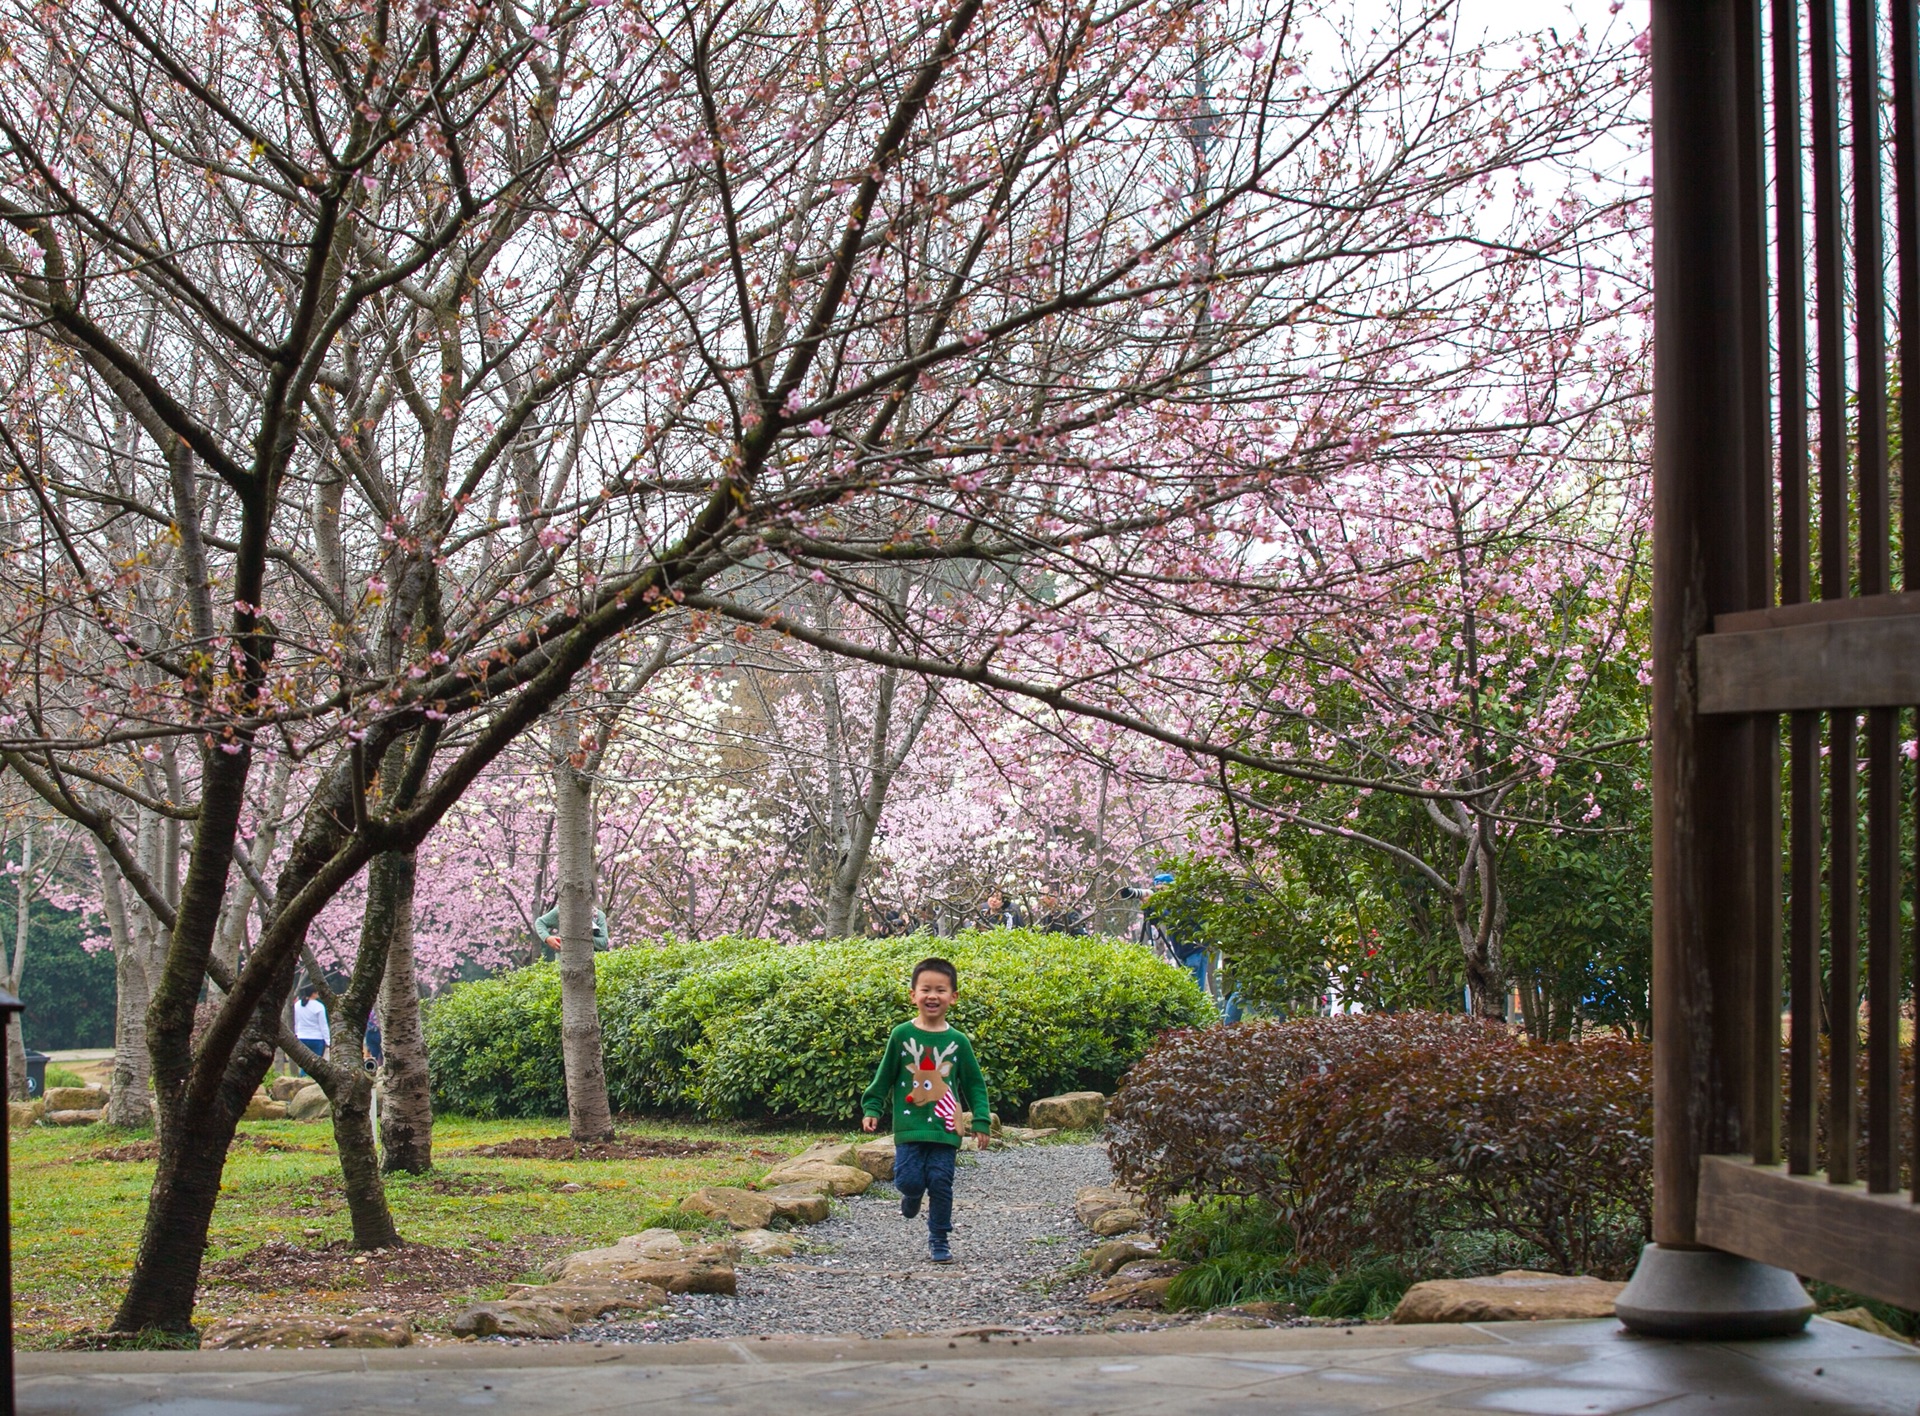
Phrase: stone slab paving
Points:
(1532, 1369)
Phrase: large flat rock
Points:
(367, 1330)
(75, 1098)
(706, 1269)
(1517, 1295)
(830, 1178)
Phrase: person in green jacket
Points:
(925, 1073)
(548, 927)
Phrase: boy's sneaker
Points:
(938, 1251)
(909, 1206)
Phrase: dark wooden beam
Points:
(1839, 1234)
(1818, 612)
(1710, 460)
(1841, 662)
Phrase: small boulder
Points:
(1516, 1295)
(1091, 1201)
(824, 1153)
(512, 1317)
(287, 1088)
(1094, 1203)
(1019, 1135)
(765, 1244)
(368, 1330)
(1073, 1111)
(25, 1113)
(309, 1104)
(875, 1157)
(1865, 1321)
(1139, 1293)
(742, 1209)
(799, 1204)
(73, 1118)
(261, 1107)
(834, 1179)
(706, 1269)
(1137, 1269)
(1124, 1220)
(76, 1098)
(1103, 1259)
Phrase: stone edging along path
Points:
(655, 1287)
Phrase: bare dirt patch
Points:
(619, 1148)
(424, 1281)
(323, 1195)
(150, 1150)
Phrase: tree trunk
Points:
(589, 1117)
(373, 1226)
(342, 1074)
(406, 1094)
(859, 818)
(350, 1091)
(232, 932)
(186, 1182)
(843, 895)
(22, 913)
(129, 1102)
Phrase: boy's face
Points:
(933, 994)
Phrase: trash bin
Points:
(36, 1074)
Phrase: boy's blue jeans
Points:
(926, 1167)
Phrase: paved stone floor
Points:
(1548, 1369)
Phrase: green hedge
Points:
(732, 1028)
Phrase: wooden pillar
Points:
(1711, 807)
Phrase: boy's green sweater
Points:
(924, 1080)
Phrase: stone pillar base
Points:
(1711, 1296)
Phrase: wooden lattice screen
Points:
(1784, 669)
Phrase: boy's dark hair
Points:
(939, 966)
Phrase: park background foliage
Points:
(749, 1028)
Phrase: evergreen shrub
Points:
(748, 1028)
(1385, 1133)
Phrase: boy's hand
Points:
(869, 1124)
(982, 1140)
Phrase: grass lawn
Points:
(279, 1239)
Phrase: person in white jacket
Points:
(310, 1021)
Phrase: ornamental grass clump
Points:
(1389, 1134)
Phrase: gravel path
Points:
(865, 1270)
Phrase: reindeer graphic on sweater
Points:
(923, 1082)
(927, 1083)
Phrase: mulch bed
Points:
(619, 1148)
(422, 1280)
(150, 1150)
(323, 1195)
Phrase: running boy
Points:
(925, 1064)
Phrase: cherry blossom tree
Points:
(376, 374)
(1480, 630)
